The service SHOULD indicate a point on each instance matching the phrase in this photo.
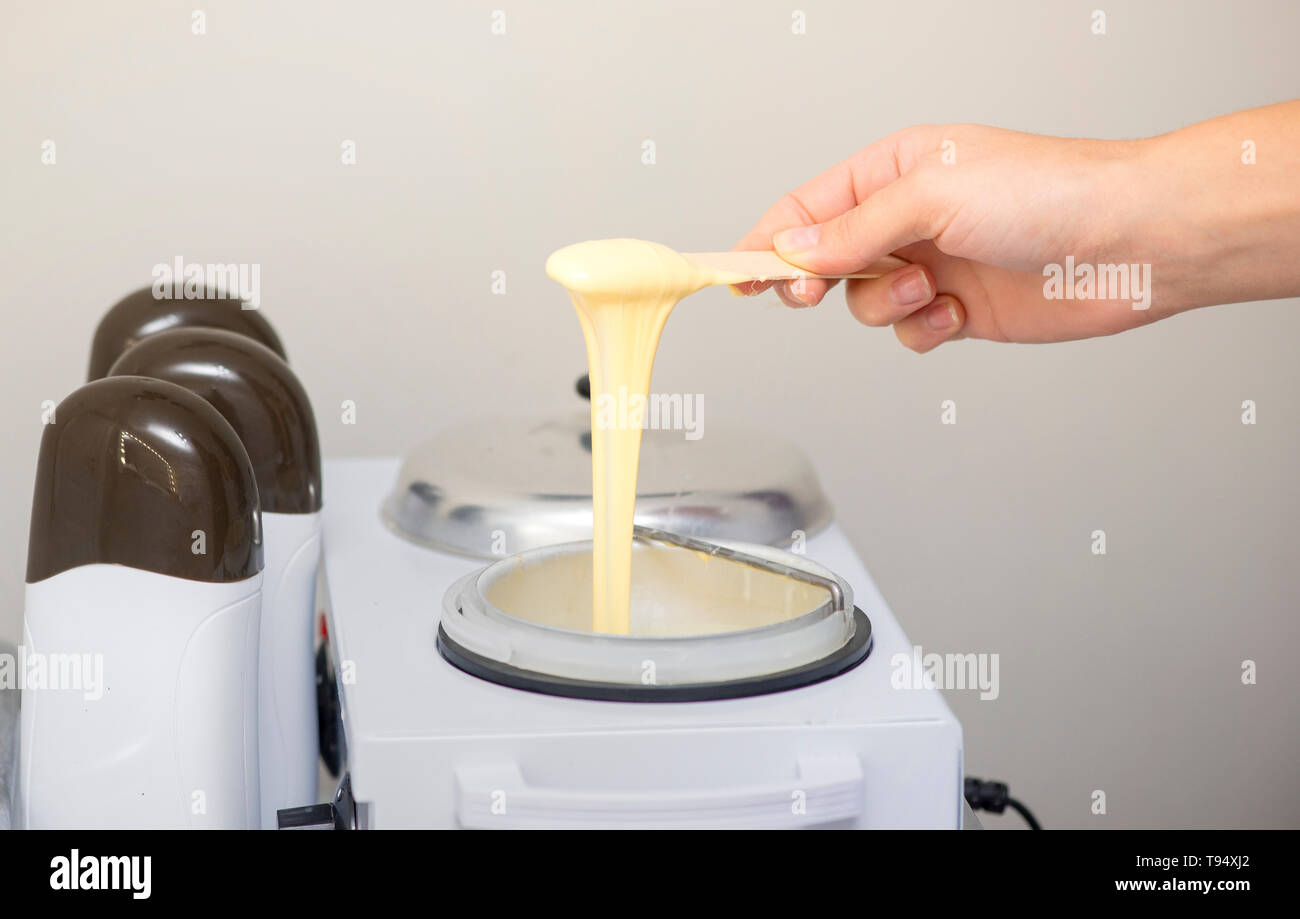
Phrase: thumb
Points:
(896, 215)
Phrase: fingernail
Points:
(912, 289)
(798, 289)
(943, 315)
(800, 239)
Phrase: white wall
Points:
(478, 152)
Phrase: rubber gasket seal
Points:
(842, 660)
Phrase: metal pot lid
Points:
(497, 486)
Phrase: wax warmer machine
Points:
(754, 688)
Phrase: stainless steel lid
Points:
(497, 486)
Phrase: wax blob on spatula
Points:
(621, 266)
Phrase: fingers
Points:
(802, 292)
(885, 300)
(903, 212)
(819, 199)
(789, 211)
(906, 300)
(931, 326)
(834, 192)
(828, 194)
(795, 293)
(785, 212)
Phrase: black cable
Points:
(1024, 812)
(994, 797)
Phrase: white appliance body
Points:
(288, 733)
(428, 745)
(146, 716)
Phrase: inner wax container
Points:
(709, 621)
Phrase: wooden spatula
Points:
(768, 266)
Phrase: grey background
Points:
(479, 152)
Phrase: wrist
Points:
(1217, 222)
(1147, 214)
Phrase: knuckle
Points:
(929, 201)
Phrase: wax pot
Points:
(709, 621)
(427, 744)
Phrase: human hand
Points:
(986, 215)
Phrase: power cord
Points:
(994, 798)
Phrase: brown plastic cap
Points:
(143, 473)
(256, 392)
(141, 314)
